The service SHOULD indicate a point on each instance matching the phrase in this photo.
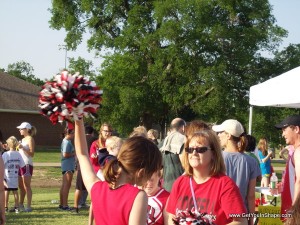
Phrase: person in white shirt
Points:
(13, 161)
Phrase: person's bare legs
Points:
(16, 198)
(77, 196)
(28, 190)
(65, 188)
(22, 190)
(6, 194)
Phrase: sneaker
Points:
(83, 206)
(11, 210)
(74, 210)
(29, 209)
(15, 209)
(65, 208)
(21, 208)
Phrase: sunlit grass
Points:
(47, 155)
(46, 213)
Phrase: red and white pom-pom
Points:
(193, 217)
(69, 97)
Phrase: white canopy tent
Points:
(280, 91)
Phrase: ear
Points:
(139, 178)
(297, 129)
(140, 173)
(228, 136)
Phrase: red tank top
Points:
(112, 206)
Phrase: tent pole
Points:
(250, 119)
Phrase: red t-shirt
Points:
(156, 205)
(218, 197)
(112, 206)
(94, 161)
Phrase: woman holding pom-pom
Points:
(204, 194)
(138, 159)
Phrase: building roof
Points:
(17, 95)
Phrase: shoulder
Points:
(250, 158)
(165, 192)
(297, 155)
(162, 193)
(94, 144)
(178, 135)
(28, 139)
(181, 182)
(226, 183)
(222, 178)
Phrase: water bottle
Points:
(273, 184)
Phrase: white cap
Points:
(24, 125)
(233, 127)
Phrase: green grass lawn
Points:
(46, 183)
(47, 155)
(46, 213)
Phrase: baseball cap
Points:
(24, 125)
(293, 120)
(233, 127)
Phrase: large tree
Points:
(189, 58)
(24, 71)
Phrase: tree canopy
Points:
(24, 71)
(186, 58)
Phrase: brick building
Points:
(19, 103)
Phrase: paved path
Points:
(47, 164)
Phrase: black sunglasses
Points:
(197, 149)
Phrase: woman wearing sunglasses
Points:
(205, 194)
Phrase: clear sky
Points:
(26, 36)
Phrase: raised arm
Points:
(88, 175)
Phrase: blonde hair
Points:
(217, 162)
(153, 132)
(100, 139)
(113, 142)
(12, 142)
(32, 132)
(263, 146)
(139, 131)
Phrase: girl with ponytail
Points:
(118, 200)
(243, 169)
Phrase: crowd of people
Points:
(192, 177)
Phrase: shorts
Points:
(67, 171)
(27, 170)
(10, 189)
(79, 182)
